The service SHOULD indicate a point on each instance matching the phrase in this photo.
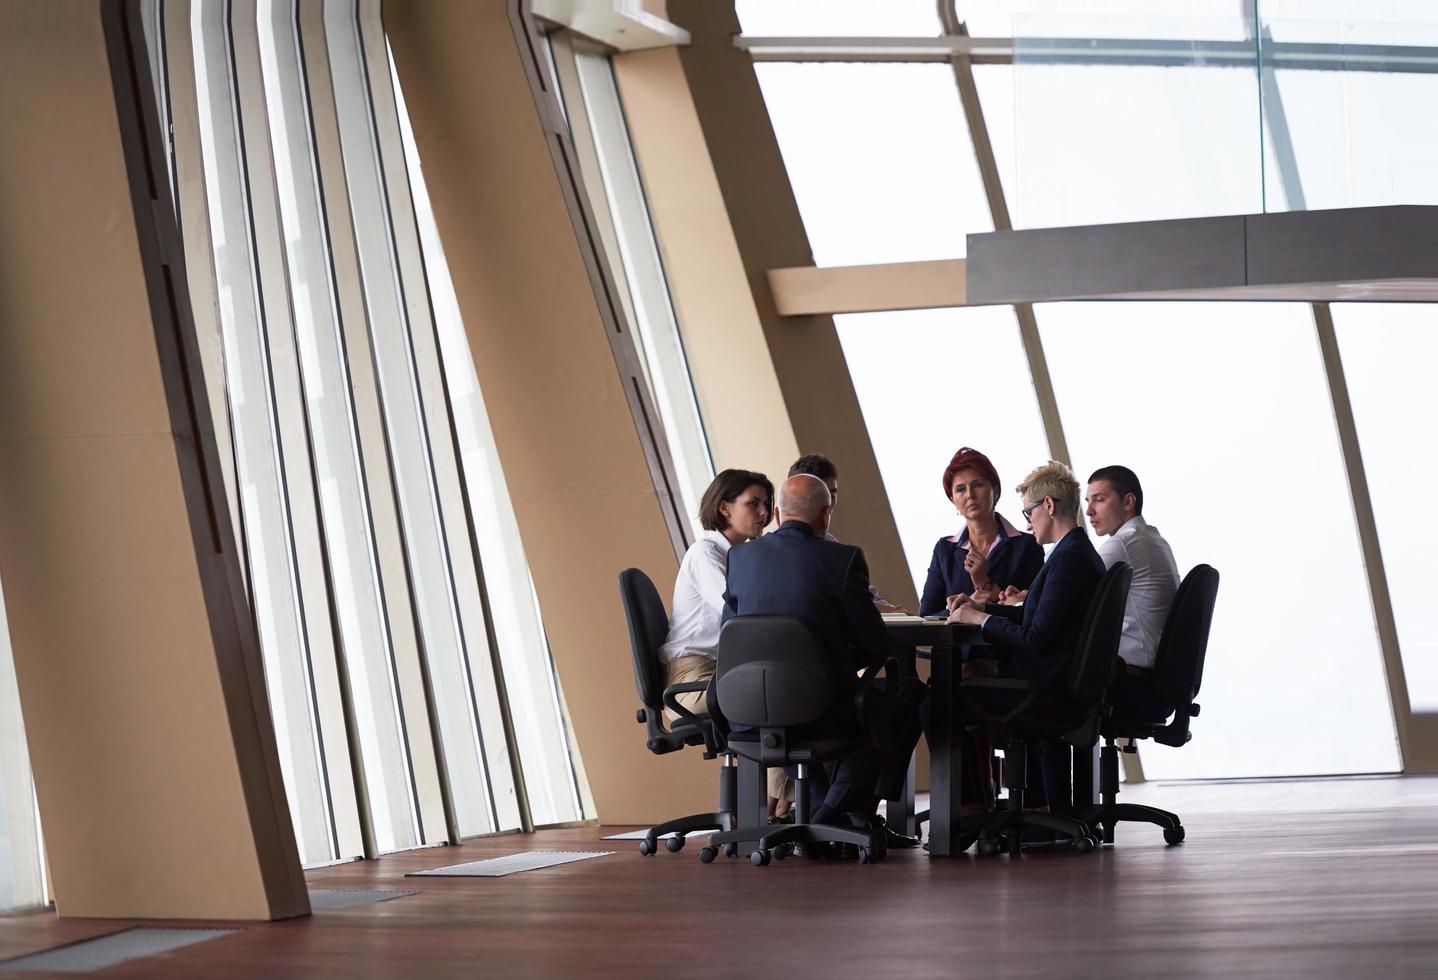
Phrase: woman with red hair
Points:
(989, 554)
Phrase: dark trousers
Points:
(849, 791)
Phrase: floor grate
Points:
(511, 864)
(90, 955)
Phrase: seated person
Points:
(1115, 509)
(1036, 641)
(989, 554)
(823, 467)
(794, 571)
(734, 509)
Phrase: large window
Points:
(1121, 111)
(879, 158)
(1223, 413)
(367, 512)
(553, 784)
(1388, 355)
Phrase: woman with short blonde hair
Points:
(1053, 479)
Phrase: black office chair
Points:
(1178, 666)
(774, 677)
(648, 628)
(1018, 717)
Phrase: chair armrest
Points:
(705, 725)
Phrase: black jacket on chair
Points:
(794, 572)
(1037, 639)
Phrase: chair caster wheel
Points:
(988, 847)
(759, 858)
(782, 851)
(675, 844)
(646, 847)
(731, 850)
(1173, 835)
(1083, 844)
(866, 855)
(708, 854)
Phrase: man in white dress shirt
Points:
(1115, 510)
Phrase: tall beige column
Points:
(572, 422)
(139, 672)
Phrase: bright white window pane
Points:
(446, 643)
(343, 505)
(550, 776)
(661, 346)
(21, 881)
(930, 381)
(838, 18)
(1109, 143)
(879, 158)
(1388, 357)
(262, 480)
(1223, 411)
(1359, 139)
(1103, 18)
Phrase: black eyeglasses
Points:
(1032, 507)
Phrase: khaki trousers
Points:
(692, 668)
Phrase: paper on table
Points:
(901, 618)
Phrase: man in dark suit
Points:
(794, 571)
(1036, 641)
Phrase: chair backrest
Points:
(648, 629)
(1096, 658)
(1179, 658)
(773, 672)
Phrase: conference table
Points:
(940, 643)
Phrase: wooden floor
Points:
(1302, 879)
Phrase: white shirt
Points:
(1155, 580)
(698, 599)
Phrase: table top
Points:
(911, 630)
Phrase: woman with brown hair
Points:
(735, 508)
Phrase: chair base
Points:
(782, 842)
(1105, 815)
(680, 826)
(1004, 830)
(723, 819)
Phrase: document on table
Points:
(902, 618)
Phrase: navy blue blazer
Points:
(793, 572)
(1038, 638)
(1015, 560)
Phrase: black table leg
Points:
(899, 813)
(1085, 777)
(945, 759)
